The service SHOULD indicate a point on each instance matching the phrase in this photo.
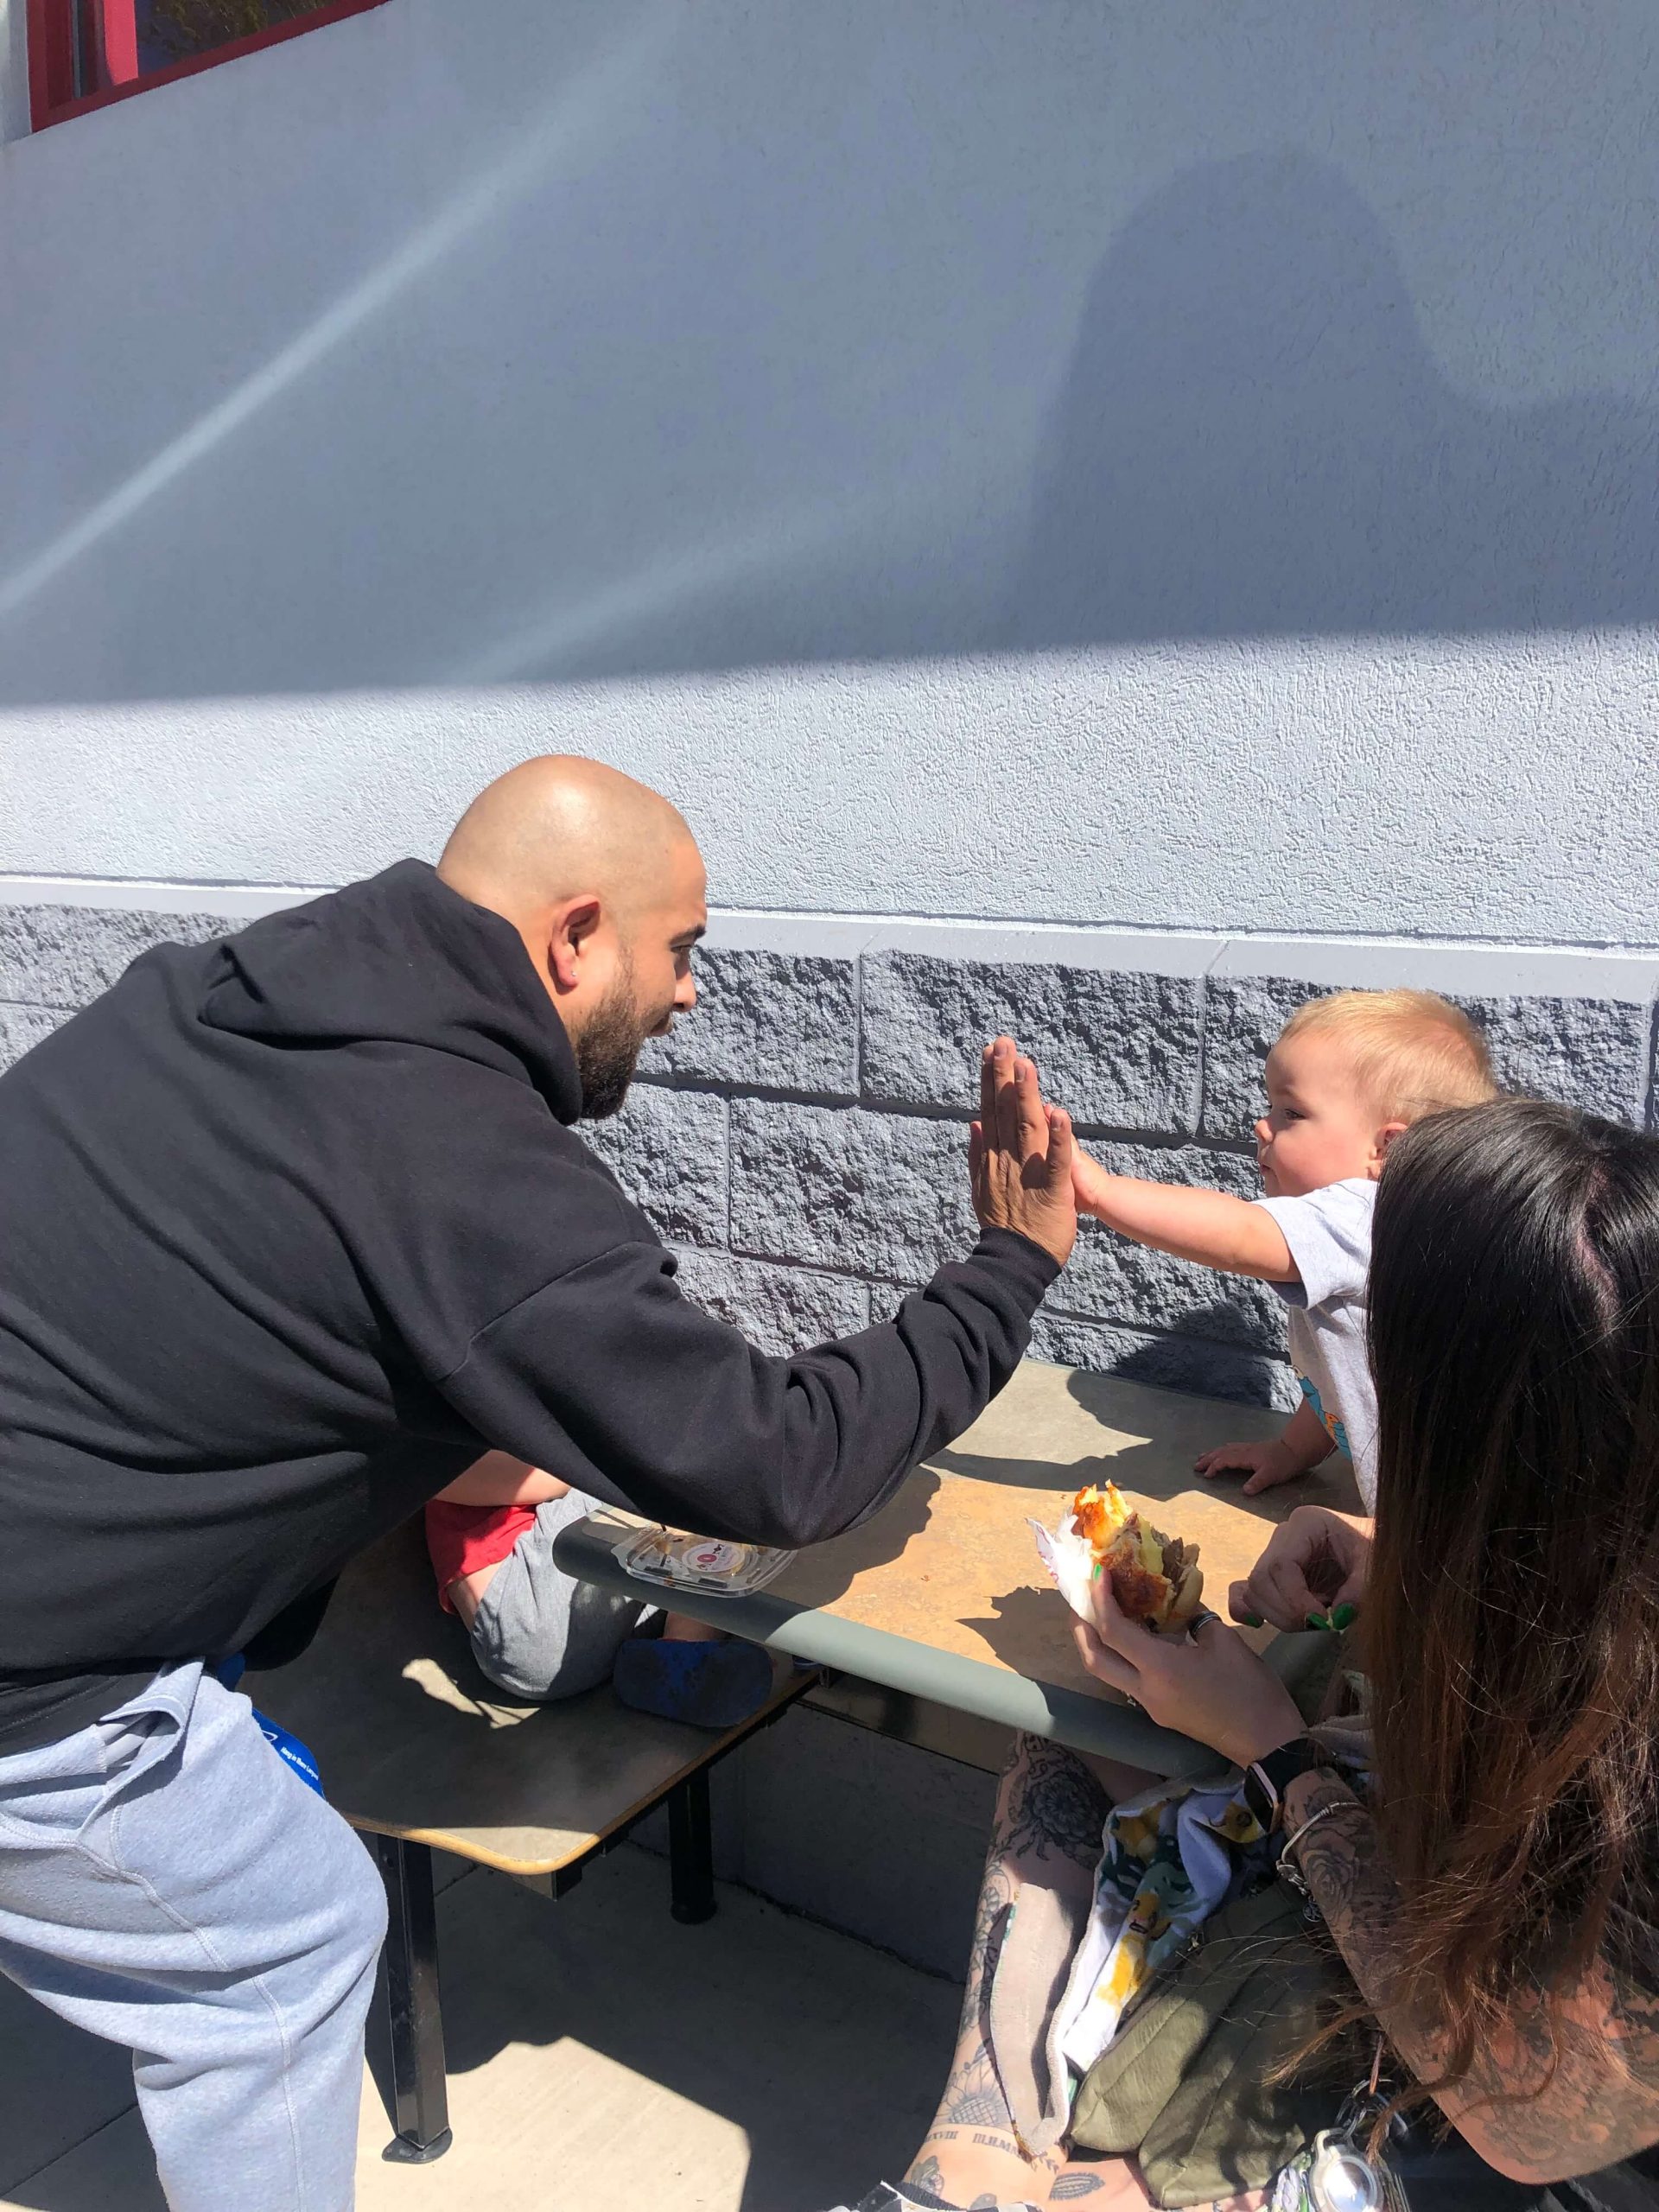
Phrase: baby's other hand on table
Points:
(1267, 1464)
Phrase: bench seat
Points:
(419, 1751)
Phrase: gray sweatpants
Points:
(538, 1632)
(168, 1884)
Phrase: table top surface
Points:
(948, 1566)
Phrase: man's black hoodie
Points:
(293, 1226)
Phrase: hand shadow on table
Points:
(1140, 1467)
(1158, 1468)
(1151, 1471)
(1156, 1433)
(1030, 1632)
(823, 1572)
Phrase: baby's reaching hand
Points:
(1088, 1181)
(1266, 1465)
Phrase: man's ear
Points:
(572, 925)
(1385, 1137)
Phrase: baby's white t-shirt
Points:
(1329, 1233)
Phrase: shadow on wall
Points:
(1253, 440)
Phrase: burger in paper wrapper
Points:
(1155, 1578)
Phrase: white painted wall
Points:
(1150, 464)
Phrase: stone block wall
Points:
(847, 1070)
(800, 1140)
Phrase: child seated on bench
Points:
(539, 1633)
(1348, 1074)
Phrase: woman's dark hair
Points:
(1511, 1622)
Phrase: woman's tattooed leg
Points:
(1045, 1834)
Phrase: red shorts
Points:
(461, 1538)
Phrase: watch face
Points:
(1260, 1799)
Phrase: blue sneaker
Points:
(709, 1685)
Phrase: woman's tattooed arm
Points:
(1561, 2090)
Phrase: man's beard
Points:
(609, 1047)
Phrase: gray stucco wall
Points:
(1136, 463)
(800, 1138)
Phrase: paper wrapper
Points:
(1070, 1560)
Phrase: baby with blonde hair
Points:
(1347, 1075)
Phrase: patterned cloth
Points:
(1169, 1858)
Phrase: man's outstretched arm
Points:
(633, 1392)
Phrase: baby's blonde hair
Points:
(1413, 1053)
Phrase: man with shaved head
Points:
(294, 1229)
(603, 880)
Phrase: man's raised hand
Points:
(1021, 1153)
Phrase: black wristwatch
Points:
(1266, 1779)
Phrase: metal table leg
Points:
(417, 2070)
(691, 1849)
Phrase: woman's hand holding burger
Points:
(1209, 1684)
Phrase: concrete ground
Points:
(601, 2060)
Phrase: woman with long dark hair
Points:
(1491, 1896)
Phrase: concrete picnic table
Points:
(941, 1595)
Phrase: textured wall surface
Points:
(1143, 463)
(801, 1138)
(1494, 790)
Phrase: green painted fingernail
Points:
(1317, 1620)
(1252, 1620)
(1345, 1617)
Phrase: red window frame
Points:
(108, 33)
